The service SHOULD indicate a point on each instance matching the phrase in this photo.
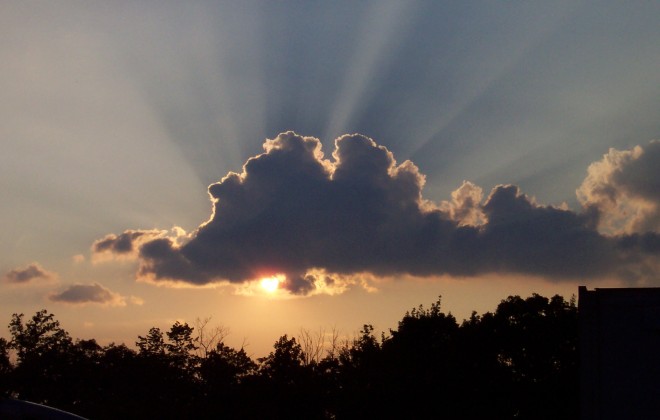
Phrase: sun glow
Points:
(270, 284)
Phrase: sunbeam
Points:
(197, 84)
(491, 59)
(384, 24)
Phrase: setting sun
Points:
(270, 284)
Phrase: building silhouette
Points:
(619, 353)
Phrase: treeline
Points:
(519, 362)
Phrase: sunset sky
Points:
(308, 164)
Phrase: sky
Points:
(167, 161)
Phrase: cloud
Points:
(314, 281)
(464, 206)
(24, 275)
(291, 211)
(81, 294)
(624, 187)
(126, 244)
(526, 237)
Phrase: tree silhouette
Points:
(181, 342)
(121, 384)
(282, 364)
(5, 367)
(361, 377)
(289, 387)
(208, 337)
(167, 372)
(423, 359)
(536, 339)
(227, 384)
(152, 344)
(40, 336)
(43, 353)
(519, 362)
(226, 365)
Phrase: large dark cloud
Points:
(28, 273)
(292, 211)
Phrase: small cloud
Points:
(82, 294)
(126, 244)
(78, 258)
(24, 275)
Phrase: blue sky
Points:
(118, 116)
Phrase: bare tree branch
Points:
(208, 337)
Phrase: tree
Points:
(181, 342)
(207, 337)
(225, 374)
(180, 347)
(165, 376)
(153, 344)
(421, 363)
(312, 346)
(43, 351)
(288, 384)
(363, 350)
(536, 342)
(518, 362)
(39, 336)
(85, 377)
(238, 361)
(361, 377)
(5, 366)
(122, 382)
(285, 362)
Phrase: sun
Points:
(270, 284)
